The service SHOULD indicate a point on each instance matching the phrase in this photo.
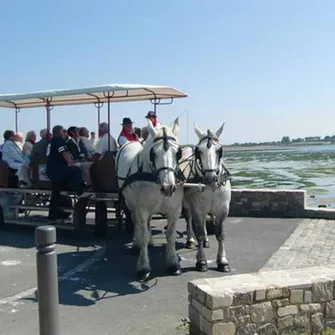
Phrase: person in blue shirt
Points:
(61, 170)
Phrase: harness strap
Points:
(139, 176)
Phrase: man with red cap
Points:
(153, 118)
(127, 133)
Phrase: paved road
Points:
(100, 295)
(311, 244)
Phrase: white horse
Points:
(205, 165)
(146, 177)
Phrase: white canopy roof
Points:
(90, 95)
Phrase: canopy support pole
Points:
(48, 108)
(109, 121)
(157, 101)
(98, 105)
(17, 111)
(109, 96)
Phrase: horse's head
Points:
(164, 153)
(208, 154)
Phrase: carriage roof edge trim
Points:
(90, 95)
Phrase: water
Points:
(311, 168)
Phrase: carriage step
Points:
(40, 208)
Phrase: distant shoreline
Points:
(274, 146)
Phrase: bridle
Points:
(166, 145)
(210, 142)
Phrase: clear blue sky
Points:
(266, 68)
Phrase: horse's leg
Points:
(135, 249)
(151, 242)
(221, 260)
(142, 240)
(172, 259)
(190, 242)
(206, 240)
(198, 227)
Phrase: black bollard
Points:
(47, 280)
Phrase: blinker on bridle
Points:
(210, 141)
(166, 146)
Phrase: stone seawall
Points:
(264, 303)
(275, 203)
(267, 203)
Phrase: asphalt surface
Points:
(98, 291)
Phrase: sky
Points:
(265, 68)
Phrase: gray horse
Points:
(146, 176)
(204, 164)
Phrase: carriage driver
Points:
(153, 118)
(127, 133)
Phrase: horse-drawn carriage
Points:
(159, 176)
(18, 205)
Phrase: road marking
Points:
(79, 268)
(10, 263)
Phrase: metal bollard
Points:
(47, 280)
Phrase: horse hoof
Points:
(190, 245)
(174, 270)
(206, 244)
(223, 267)
(201, 266)
(143, 275)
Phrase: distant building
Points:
(312, 138)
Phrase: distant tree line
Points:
(287, 141)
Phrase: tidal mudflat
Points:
(311, 168)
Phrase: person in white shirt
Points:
(28, 144)
(102, 145)
(12, 155)
(92, 139)
(18, 139)
(87, 143)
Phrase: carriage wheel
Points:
(210, 226)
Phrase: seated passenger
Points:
(138, 132)
(66, 135)
(92, 139)
(145, 133)
(61, 170)
(75, 145)
(19, 140)
(12, 155)
(87, 143)
(102, 145)
(28, 144)
(39, 150)
(127, 133)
